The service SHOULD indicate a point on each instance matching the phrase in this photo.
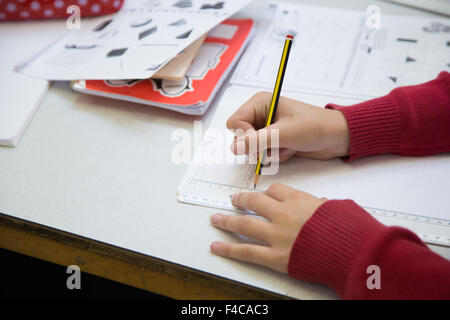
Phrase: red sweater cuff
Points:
(338, 244)
(321, 252)
(374, 127)
(410, 121)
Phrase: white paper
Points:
(20, 95)
(132, 44)
(412, 185)
(335, 53)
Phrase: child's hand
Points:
(286, 210)
(304, 130)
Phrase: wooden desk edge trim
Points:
(121, 265)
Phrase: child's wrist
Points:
(343, 133)
(339, 134)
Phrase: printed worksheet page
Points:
(342, 53)
(134, 43)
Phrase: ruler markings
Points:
(438, 229)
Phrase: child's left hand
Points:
(286, 210)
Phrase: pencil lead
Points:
(254, 186)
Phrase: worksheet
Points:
(338, 53)
(193, 94)
(407, 191)
(134, 43)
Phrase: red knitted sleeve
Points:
(341, 242)
(412, 121)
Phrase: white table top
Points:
(101, 169)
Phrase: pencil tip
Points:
(255, 181)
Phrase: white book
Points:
(20, 94)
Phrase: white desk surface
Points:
(101, 169)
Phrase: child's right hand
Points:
(304, 130)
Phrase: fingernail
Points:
(215, 246)
(215, 219)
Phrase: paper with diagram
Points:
(134, 43)
(336, 53)
(195, 91)
(336, 58)
(411, 188)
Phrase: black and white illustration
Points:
(336, 53)
(133, 43)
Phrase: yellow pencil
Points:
(274, 102)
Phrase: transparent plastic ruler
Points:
(216, 195)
